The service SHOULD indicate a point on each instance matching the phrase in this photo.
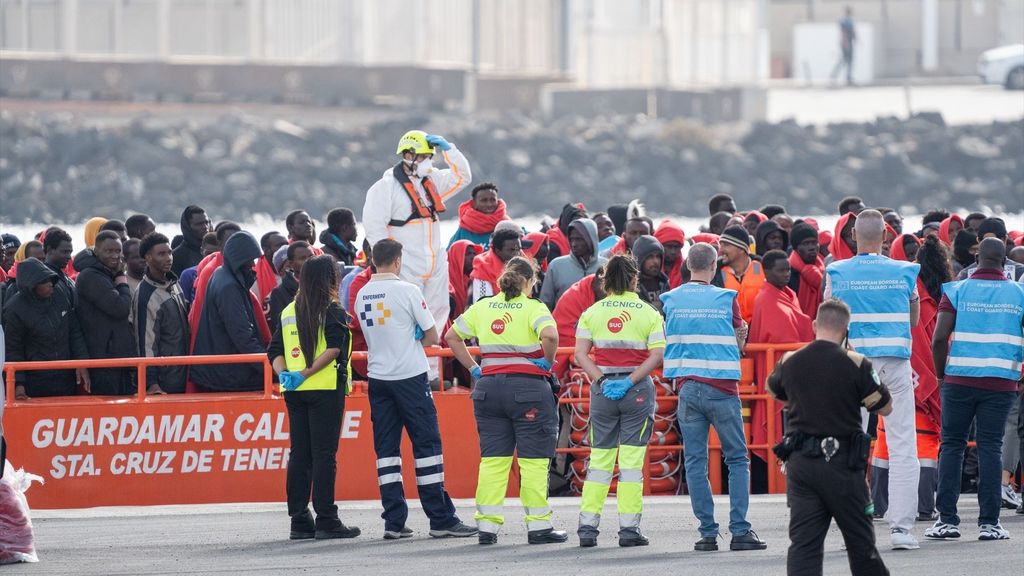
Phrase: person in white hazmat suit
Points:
(406, 204)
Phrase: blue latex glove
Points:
(616, 389)
(438, 142)
(541, 363)
(290, 380)
(419, 333)
(477, 373)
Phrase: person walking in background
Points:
(309, 352)
(847, 38)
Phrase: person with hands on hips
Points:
(627, 337)
(512, 401)
(406, 204)
(310, 352)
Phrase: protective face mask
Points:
(424, 167)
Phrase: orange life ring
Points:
(667, 438)
(664, 486)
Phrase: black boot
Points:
(303, 527)
(547, 536)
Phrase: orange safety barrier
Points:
(233, 447)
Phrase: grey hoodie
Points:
(565, 271)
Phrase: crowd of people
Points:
(130, 291)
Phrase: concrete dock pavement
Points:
(251, 539)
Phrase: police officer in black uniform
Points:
(825, 450)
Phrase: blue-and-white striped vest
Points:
(700, 338)
(878, 292)
(987, 337)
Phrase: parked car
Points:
(1003, 65)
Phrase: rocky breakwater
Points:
(55, 168)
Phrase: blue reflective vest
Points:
(701, 340)
(878, 292)
(987, 337)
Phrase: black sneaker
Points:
(303, 527)
(341, 531)
(632, 538)
(706, 544)
(487, 538)
(460, 530)
(588, 536)
(927, 517)
(588, 541)
(547, 536)
(405, 532)
(748, 541)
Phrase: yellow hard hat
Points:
(416, 140)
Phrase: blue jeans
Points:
(960, 406)
(701, 406)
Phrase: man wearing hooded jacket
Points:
(581, 261)
(406, 204)
(227, 323)
(194, 225)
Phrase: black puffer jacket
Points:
(38, 330)
(227, 322)
(103, 311)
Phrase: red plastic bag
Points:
(16, 541)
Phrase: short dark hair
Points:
(771, 257)
(106, 235)
(225, 229)
(265, 239)
(339, 217)
(294, 247)
(127, 245)
(885, 211)
(54, 237)
(772, 210)
(499, 237)
(211, 239)
(134, 225)
(484, 186)
(934, 216)
(114, 225)
(386, 252)
(974, 216)
(150, 241)
(715, 201)
(845, 203)
(289, 220)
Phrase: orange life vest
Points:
(747, 288)
(419, 210)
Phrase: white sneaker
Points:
(903, 540)
(941, 531)
(993, 532)
(1010, 498)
